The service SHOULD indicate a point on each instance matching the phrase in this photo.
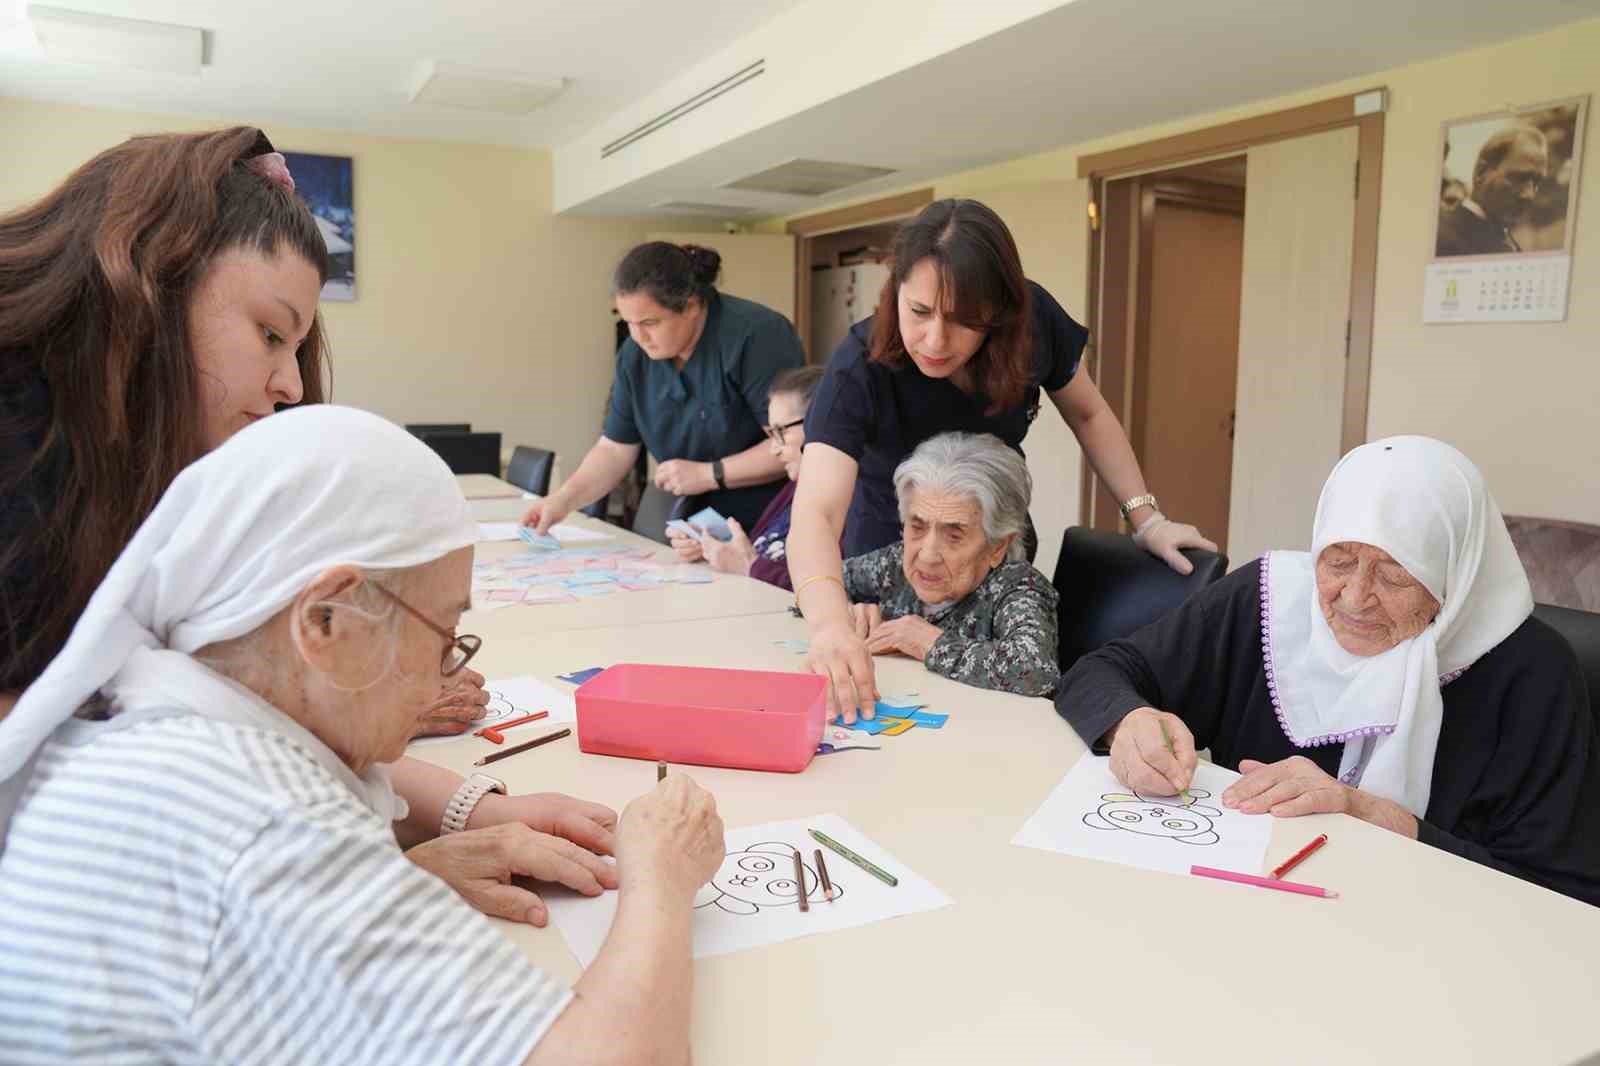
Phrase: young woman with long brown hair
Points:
(160, 299)
(961, 341)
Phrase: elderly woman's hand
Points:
(687, 547)
(480, 863)
(670, 838)
(908, 635)
(589, 825)
(460, 704)
(1286, 789)
(864, 618)
(732, 556)
(1140, 757)
(839, 654)
(1163, 538)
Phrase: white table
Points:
(1047, 959)
(486, 487)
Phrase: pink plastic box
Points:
(745, 719)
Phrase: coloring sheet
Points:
(753, 900)
(1093, 815)
(514, 697)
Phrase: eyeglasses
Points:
(458, 651)
(775, 433)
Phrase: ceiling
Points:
(1089, 69)
(348, 65)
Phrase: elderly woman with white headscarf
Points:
(1394, 673)
(198, 855)
(957, 590)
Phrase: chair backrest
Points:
(530, 469)
(1110, 587)
(467, 453)
(1562, 560)
(1581, 630)
(421, 429)
(656, 508)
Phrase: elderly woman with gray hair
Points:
(957, 591)
(198, 853)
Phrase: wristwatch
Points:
(718, 474)
(1130, 506)
(465, 800)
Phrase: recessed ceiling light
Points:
(452, 85)
(104, 40)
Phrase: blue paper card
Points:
(709, 520)
(578, 677)
(534, 539)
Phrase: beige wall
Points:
(1519, 399)
(474, 303)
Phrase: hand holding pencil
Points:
(670, 839)
(1153, 752)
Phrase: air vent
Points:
(808, 177)
(694, 103)
(449, 85)
(705, 210)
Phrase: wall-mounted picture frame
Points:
(1508, 181)
(327, 184)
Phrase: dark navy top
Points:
(716, 405)
(27, 590)
(878, 415)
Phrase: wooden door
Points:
(756, 266)
(1299, 228)
(1188, 357)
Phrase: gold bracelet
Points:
(818, 577)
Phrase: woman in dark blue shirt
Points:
(961, 340)
(691, 386)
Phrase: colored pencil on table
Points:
(1262, 882)
(495, 734)
(822, 873)
(547, 738)
(800, 880)
(834, 846)
(1166, 738)
(661, 771)
(1299, 857)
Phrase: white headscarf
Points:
(235, 538)
(1425, 504)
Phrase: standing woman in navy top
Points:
(691, 387)
(961, 340)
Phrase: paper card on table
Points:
(578, 677)
(1092, 814)
(898, 726)
(678, 525)
(924, 719)
(571, 534)
(752, 901)
(713, 523)
(498, 531)
(902, 700)
(514, 697)
(536, 540)
(869, 725)
(799, 647)
(548, 594)
(577, 580)
(589, 592)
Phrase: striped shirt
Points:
(178, 889)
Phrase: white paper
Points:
(1092, 814)
(497, 531)
(752, 901)
(514, 697)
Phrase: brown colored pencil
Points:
(547, 738)
(800, 879)
(822, 872)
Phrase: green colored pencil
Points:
(1166, 738)
(872, 868)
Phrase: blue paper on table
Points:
(578, 677)
(573, 581)
(868, 725)
(709, 520)
(534, 539)
(878, 725)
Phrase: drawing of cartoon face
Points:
(1161, 816)
(761, 875)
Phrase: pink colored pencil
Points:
(1262, 882)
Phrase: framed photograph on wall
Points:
(327, 184)
(1505, 218)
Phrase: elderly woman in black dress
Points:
(1394, 673)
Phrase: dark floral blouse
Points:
(1002, 635)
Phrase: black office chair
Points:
(530, 469)
(1581, 630)
(467, 453)
(1109, 587)
(657, 507)
(422, 429)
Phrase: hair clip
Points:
(274, 168)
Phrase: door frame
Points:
(1116, 272)
(807, 227)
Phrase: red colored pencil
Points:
(1299, 857)
(492, 732)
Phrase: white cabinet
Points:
(841, 297)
